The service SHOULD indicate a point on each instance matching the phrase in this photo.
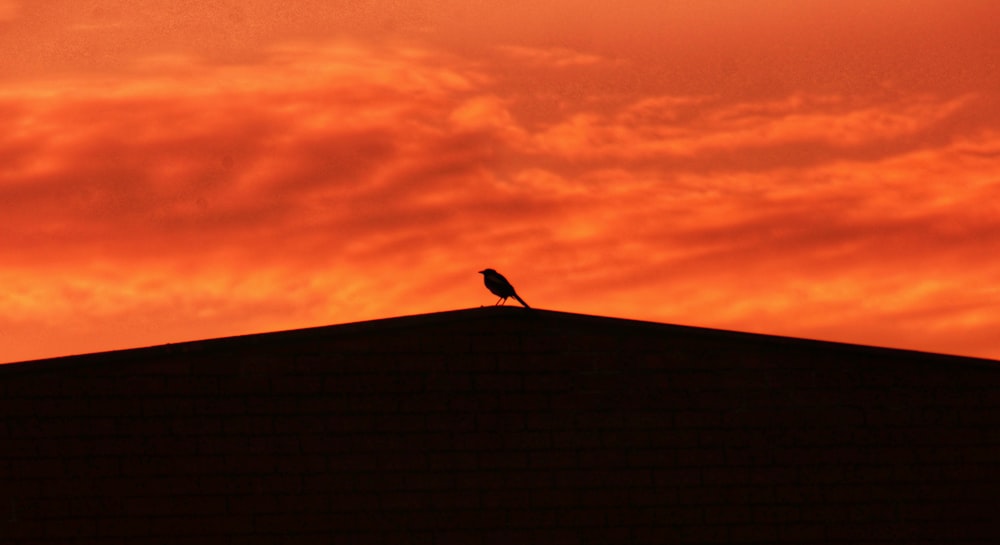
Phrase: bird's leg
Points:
(498, 301)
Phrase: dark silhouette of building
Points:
(501, 425)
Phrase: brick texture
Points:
(501, 425)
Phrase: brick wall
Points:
(501, 426)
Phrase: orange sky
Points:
(174, 170)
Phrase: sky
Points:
(175, 170)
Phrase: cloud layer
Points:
(337, 179)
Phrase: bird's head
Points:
(487, 271)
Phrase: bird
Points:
(496, 283)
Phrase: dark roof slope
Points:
(501, 425)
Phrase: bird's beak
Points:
(482, 271)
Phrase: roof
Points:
(501, 425)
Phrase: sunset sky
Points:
(175, 170)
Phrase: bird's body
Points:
(499, 286)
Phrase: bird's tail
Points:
(519, 300)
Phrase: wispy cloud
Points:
(821, 127)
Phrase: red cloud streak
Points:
(284, 178)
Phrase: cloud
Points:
(330, 182)
(326, 159)
(704, 128)
(227, 149)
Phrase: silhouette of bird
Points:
(496, 283)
